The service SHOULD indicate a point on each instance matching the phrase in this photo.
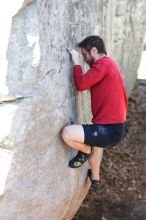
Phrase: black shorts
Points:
(104, 135)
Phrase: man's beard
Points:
(91, 62)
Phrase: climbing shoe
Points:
(96, 184)
(80, 159)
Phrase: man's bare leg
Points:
(73, 136)
(95, 162)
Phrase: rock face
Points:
(128, 37)
(38, 98)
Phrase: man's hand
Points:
(74, 56)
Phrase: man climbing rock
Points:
(108, 103)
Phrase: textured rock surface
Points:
(37, 72)
(128, 37)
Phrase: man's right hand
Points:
(75, 57)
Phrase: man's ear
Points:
(94, 51)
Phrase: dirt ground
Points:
(123, 171)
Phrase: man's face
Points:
(88, 58)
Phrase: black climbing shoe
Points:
(80, 159)
(96, 184)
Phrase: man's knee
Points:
(73, 133)
(66, 133)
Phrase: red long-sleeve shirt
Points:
(109, 102)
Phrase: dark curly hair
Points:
(93, 41)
